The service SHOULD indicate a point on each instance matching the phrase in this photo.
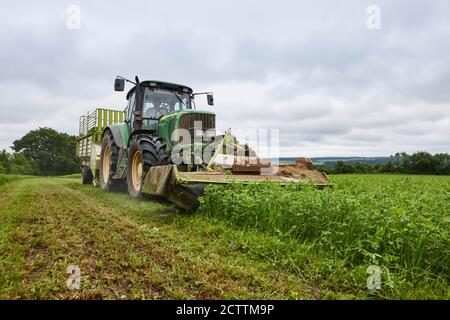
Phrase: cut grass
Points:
(124, 248)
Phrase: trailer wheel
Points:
(144, 152)
(108, 162)
(86, 175)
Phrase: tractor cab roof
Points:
(161, 85)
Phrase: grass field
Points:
(244, 242)
(4, 179)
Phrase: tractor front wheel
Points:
(144, 152)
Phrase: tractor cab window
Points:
(158, 102)
(183, 103)
(130, 108)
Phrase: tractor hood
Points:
(184, 119)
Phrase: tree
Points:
(405, 162)
(4, 161)
(15, 163)
(341, 167)
(361, 167)
(423, 162)
(51, 152)
(442, 163)
(389, 166)
(21, 165)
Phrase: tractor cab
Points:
(149, 101)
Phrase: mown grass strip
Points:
(119, 256)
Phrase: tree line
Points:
(417, 163)
(43, 152)
(48, 152)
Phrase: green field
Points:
(248, 242)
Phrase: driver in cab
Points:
(155, 108)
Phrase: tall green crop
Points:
(400, 222)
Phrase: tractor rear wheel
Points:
(145, 151)
(108, 162)
(86, 175)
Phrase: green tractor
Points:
(162, 146)
(145, 139)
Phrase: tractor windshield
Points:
(158, 102)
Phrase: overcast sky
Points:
(312, 69)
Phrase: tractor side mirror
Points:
(119, 84)
(210, 99)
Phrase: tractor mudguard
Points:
(120, 134)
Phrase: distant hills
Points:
(331, 161)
